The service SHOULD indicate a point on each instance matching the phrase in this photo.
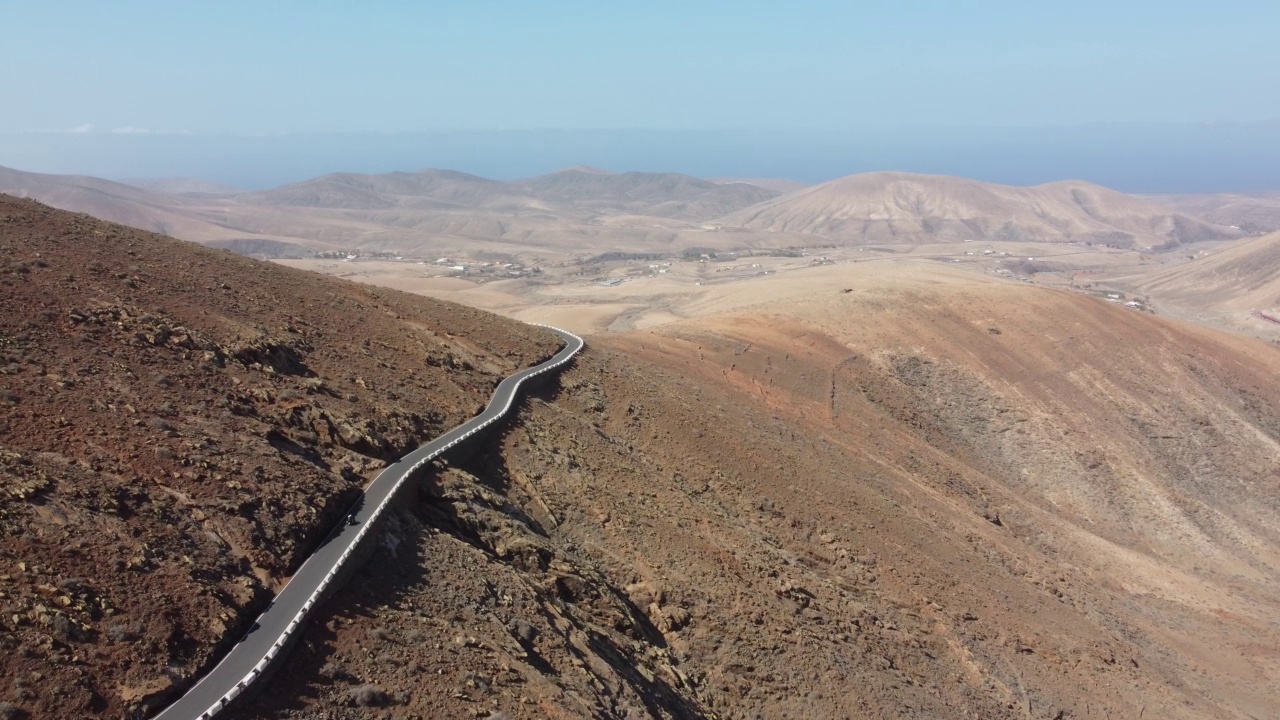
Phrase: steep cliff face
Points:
(966, 499)
(179, 427)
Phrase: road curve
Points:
(249, 658)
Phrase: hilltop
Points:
(579, 212)
(639, 193)
(426, 189)
(890, 207)
(111, 201)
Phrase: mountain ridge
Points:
(900, 207)
(572, 209)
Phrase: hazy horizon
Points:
(1138, 158)
(1141, 97)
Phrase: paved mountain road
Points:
(249, 658)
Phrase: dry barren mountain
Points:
(848, 493)
(112, 201)
(585, 210)
(426, 189)
(913, 495)
(179, 427)
(1237, 286)
(638, 193)
(909, 208)
(1251, 212)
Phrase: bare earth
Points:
(179, 427)
(1237, 288)
(579, 212)
(934, 495)
(892, 446)
(1253, 212)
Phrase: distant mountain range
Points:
(1252, 212)
(891, 207)
(590, 210)
(637, 193)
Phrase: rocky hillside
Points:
(179, 426)
(926, 496)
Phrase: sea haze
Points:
(1152, 158)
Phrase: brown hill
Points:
(585, 211)
(1251, 212)
(107, 200)
(1235, 286)
(639, 193)
(423, 190)
(932, 495)
(179, 426)
(904, 207)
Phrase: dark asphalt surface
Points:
(266, 638)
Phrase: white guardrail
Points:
(284, 638)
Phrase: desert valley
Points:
(893, 445)
(595, 250)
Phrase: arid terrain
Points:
(1237, 288)
(926, 495)
(578, 212)
(179, 427)
(1257, 212)
(598, 250)
(941, 479)
(897, 208)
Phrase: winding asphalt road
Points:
(249, 658)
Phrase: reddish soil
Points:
(922, 498)
(961, 500)
(179, 427)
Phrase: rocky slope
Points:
(911, 497)
(179, 426)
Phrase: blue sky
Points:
(928, 73)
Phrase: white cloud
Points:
(131, 130)
(90, 129)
